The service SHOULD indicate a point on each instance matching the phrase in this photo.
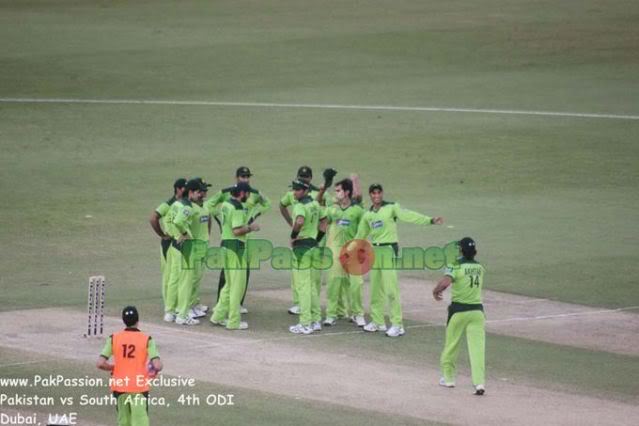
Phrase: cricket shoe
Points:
(330, 321)
(294, 310)
(300, 329)
(220, 323)
(359, 320)
(444, 383)
(479, 390)
(372, 327)
(243, 310)
(196, 313)
(243, 326)
(201, 307)
(169, 317)
(186, 321)
(316, 326)
(395, 331)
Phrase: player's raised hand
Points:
(329, 174)
(254, 227)
(438, 220)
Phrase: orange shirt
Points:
(130, 358)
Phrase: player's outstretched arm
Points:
(411, 216)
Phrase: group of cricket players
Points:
(318, 220)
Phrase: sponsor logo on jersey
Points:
(377, 224)
(343, 222)
(204, 219)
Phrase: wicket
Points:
(95, 304)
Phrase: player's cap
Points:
(130, 316)
(204, 186)
(375, 187)
(241, 187)
(243, 171)
(305, 172)
(179, 183)
(298, 184)
(194, 184)
(467, 244)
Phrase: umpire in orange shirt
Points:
(135, 359)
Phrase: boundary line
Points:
(318, 106)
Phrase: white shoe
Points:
(201, 307)
(294, 310)
(196, 313)
(300, 329)
(220, 323)
(169, 317)
(372, 327)
(329, 321)
(479, 390)
(359, 320)
(395, 331)
(243, 310)
(316, 326)
(442, 382)
(186, 321)
(243, 326)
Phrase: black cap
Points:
(305, 172)
(467, 244)
(298, 184)
(375, 187)
(130, 316)
(243, 171)
(204, 186)
(194, 185)
(179, 183)
(239, 187)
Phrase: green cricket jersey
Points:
(170, 217)
(312, 212)
(468, 280)
(381, 225)
(256, 204)
(344, 223)
(162, 210)
(192, 219)
(234, 215)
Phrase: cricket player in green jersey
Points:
(308, 228)
(191, 223)
(256, 205)
(159, 225)
(465, 315)
(304, 174)
(235, 228)
(380, 224)
(198, 310)
(343, 219)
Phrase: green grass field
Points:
(552, 201)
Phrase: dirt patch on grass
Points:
(536, 319)
(284, 367)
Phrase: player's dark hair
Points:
(469, 252)
(347, 185)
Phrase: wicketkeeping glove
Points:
(329, 174)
